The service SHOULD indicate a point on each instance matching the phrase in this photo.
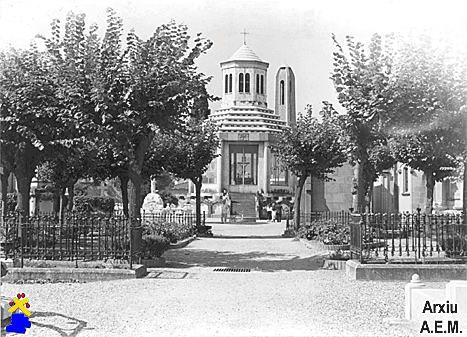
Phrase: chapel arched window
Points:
(226, 83)
(240, 82)
(247, 82)
(257, 83)
(262, 84)
(230, 83)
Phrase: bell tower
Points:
(285, 95)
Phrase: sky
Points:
(294, 32)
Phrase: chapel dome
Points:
(244, 53)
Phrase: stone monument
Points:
(153, 201)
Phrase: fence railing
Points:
(416, 237)
(342, 217)
(78, 236)
(75, 238)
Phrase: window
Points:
(243, 164)
(281, 93)
(226, 83)
(240, 83)
(262, 84)
(247, 82)
(257, 83)
(278, 174)
(405, 180)
(230, 83)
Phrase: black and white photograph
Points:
(233, 168)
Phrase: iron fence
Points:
(81, 236)
(408, 237)
(342, 217)
(76, 237)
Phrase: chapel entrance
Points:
(243, 168)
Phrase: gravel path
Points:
(202, 303)
(287, 295)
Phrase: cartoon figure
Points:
(19, 322)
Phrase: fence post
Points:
(356, 225)
(135, 232)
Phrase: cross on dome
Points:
(244, 35)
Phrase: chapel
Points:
(247, 127)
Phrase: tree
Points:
(426, 125)
(187, 154)
(144, 89)
(136, 91)
(364, 89)
(27, 95)
(310, 149)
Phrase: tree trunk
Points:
(368, 197)
(134, 197)
(298, 196)
(358, 202)
(311, 195)
(198, 183)
(430, 185)
(135, 168)
(395, 191)
(71, 196)
(124, 188)
(4, 182)
(61, 211)
(24, 185)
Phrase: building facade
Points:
(247, 127)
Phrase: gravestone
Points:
(153, 201)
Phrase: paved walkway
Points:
(258, 247)
(261, 229)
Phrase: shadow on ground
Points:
(253, 260)
(73, 325)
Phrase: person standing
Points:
(274, 212)
(224, 210)
(279, 212)
(269, 211)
